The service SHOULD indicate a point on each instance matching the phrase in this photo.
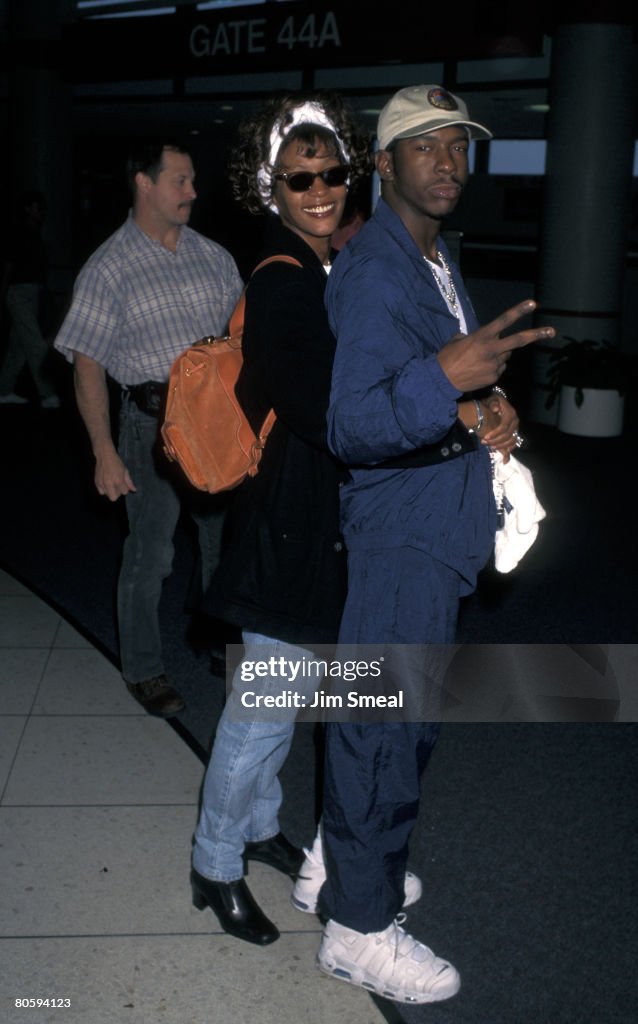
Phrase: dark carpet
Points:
(527, 836)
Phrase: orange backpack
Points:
(205, 429)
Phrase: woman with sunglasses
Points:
(283, 575)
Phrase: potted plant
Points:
(589, 379)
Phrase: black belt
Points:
(458, 441)
(149, 396)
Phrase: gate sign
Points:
(241, 37)
(282, 35)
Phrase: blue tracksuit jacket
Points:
(390, 396)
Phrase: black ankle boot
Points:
(236, 908)
(278, 852)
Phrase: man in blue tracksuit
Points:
(412, 416)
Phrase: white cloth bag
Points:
(514, 493)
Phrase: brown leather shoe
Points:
(157, 696)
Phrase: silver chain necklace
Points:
(448, 291)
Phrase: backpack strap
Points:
(276, 259)
(266, 427)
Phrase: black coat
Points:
(283, 572)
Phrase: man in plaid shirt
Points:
(148, 292)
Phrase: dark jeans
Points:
(153, 511)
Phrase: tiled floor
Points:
(97, 807)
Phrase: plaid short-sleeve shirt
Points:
(136, 305)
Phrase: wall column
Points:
(40, 120)
(586, 202)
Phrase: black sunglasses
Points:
(302, 181)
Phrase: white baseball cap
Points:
(418, 109)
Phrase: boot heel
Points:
(235, 909)
(199, 900)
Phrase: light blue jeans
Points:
(242, 795)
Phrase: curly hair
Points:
(252, 149)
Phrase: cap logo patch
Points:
(442, 99)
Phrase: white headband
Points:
(305, 113)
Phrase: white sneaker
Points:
(312, 875)
(391, 963)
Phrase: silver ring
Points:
(518, 440)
